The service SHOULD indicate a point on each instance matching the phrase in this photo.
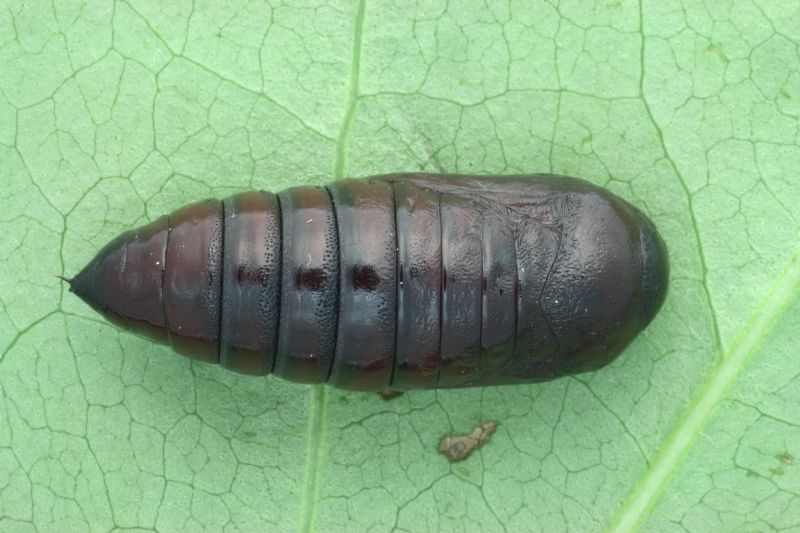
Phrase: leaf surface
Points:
(112, 113)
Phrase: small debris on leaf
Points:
(458, 447)
(390, 394)
(786, 458)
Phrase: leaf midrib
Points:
(647, 490)
(319, 395)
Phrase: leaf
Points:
(112, 113)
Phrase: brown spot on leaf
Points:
(786, 458)
(390, 394)
(458, 447)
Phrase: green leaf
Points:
(112, 113)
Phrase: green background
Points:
(112, 113)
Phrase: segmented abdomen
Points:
(366, 285)
(396, 282)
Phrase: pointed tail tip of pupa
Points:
(72, 283)
(79, 284)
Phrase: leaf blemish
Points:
(389, 394)
(786, 458)
(459, 447)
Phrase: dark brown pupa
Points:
(400, 281)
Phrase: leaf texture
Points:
(114, 112)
